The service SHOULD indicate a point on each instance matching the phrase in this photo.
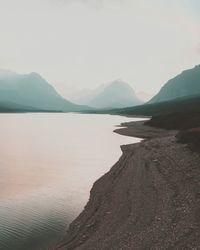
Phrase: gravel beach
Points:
(150, 199)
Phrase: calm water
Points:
(48, 163)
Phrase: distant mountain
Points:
(34, 92)
(84, 96)
(117, 94)
(184, 85)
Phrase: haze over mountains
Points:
(84, 96)
(31, 92)
(180, 94)
(117, 94)
(144, 96)
(186, 84)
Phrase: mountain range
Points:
(180, 94)
(31, 92)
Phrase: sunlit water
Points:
(48, 163)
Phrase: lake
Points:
(48, 164)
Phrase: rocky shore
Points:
(150, 199)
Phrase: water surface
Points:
(48, 163)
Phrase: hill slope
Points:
(184, 85)
(33, 91)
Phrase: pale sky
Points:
(85, 43)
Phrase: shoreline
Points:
(149, 199)
(139, 130)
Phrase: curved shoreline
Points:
(148, 200)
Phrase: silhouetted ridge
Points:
(184, 85)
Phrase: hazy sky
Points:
(83, 43)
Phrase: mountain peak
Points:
(33, 74)
(117, 94)
(118, 81)
(120, 84)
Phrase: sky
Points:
(77, 44)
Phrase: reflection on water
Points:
(48, 163)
